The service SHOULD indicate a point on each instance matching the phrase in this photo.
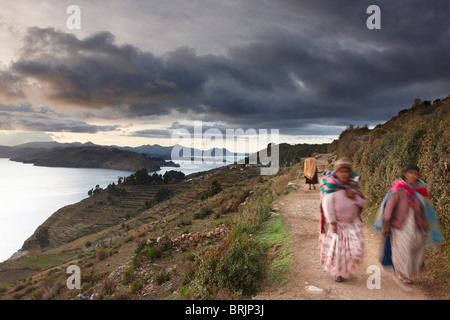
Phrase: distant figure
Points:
(341, 240)
(310, 171)
(406, 213)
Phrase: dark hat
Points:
(410, 167)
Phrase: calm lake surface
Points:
(30, 194)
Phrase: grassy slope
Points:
(41, 273)
(419, 135)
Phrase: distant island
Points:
(94, 157)
(90, 155)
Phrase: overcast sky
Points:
(136, 70)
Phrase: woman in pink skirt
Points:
(341, 241)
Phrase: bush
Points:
(162, 194)
(239, 268)
(128, 277)
(153, 253)
(162, 277)
(108, 287)
(215, 188)
(136, 285)
(101, 254)
(204, 212)
(42, 237)
(419, 135)
(140, 246)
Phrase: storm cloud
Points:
(319, 67)
(25, 118)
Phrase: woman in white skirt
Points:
(341, 242)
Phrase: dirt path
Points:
(307, 279)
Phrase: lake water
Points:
(30, 194)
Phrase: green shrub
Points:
(419, 135)
(215, 188)
(42, 237)
(128, 276)
(101, 254)
(162, 277)
(153, 252)
(136, 285)
(239, 267)
(202, 213)
(162, 194)
(140, 246)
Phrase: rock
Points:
(314, 289)
(93, 296)
(83, 296)
(293, 185)
(162, 239)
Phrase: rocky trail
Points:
(307, 279)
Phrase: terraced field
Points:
(115, 224)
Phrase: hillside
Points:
(138, 244)
(36, 147)
(290, 154)
(215, 235)
(161, 155)
(91, 157)
(166, 152)
(419, 135)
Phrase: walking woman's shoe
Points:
(338, 279)
(401, 283)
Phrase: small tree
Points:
(162, 194)
(216, 187)
(42, 237)
(416, 102)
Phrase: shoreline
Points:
(186, 164)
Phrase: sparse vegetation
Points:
(419, 135)
(255, 247)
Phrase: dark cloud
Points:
(152, 133)
(325, 69)
(11, 86)
(25, 118)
